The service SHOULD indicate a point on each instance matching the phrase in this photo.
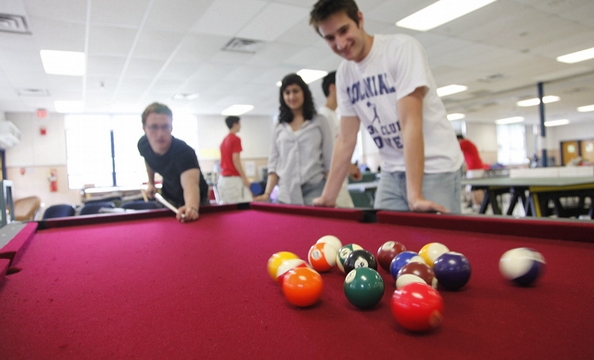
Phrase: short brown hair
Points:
(156, 108)
(323, 9)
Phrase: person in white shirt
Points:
(344, 199)
(385, 82)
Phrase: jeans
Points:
(443, 189)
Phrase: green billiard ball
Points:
(364, 287)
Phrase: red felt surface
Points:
(158, 289)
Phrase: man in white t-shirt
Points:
(385, 82)
(343, 199)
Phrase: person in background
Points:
(475, 168)
(344, 199)
(183, 184)
(385, 82)
(301, 147)
(233, 186)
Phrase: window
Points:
(511, 144)
(102, 150)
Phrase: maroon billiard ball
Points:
(416, 272)
(387, 252)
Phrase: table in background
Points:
(141, 285)
(535, 194)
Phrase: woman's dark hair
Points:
(309, 110)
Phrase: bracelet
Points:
(194, 208)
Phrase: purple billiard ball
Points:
(452, 270)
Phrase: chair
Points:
(361, 199)
(56, 211)
(26, 209)
(139, 205)
(94, 207)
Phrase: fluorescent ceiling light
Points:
(532, 102)
(310, 76)
(237, 110)
(511, 120)
(586, 108)
(69, 107)
(556, 122)
(63, 62)
(440, 13)
(450, 89)
(577, 56)
(456, 116)
(187, 97)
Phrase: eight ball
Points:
(358, 259)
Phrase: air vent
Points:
(33, 92)
(13, 24)
(243, 45)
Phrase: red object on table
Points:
(142, 285)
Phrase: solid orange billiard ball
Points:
(302, 286)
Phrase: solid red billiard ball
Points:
(452, 270)
(302, 286)
(417, 307)
(387, 252)
(358, 259)
(322, 256)
(416, 272)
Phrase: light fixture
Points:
(450, 89)
(455, 116)
(309, 75)
(63, 62)
(69, 107)
(577, 56)
(187, 97)
(586, 108)
(556, 122)
(237, 109)
(511, 120)
(440, 13)
(535, 101)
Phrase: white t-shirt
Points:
(395, 66)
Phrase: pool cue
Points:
(143, 192)
(162, 200)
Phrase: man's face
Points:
(344, 36)
(158, 128)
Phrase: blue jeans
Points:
(443, 189)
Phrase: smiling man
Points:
(183, 183)
(385, 82)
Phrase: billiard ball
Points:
(523, 266)
(359, 258)
(287, 266)
(387, 252)
(343, 252)
(415, 272)
(302, 286)
(402, 259)
(417, 307)
(276, 259)
(332, 240)
(432, 251)
(364, 287)
(452, 270)
(322, 256)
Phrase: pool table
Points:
(143, 286)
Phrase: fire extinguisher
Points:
(53, 180)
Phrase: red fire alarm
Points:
(41, 113)
(42, 130)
